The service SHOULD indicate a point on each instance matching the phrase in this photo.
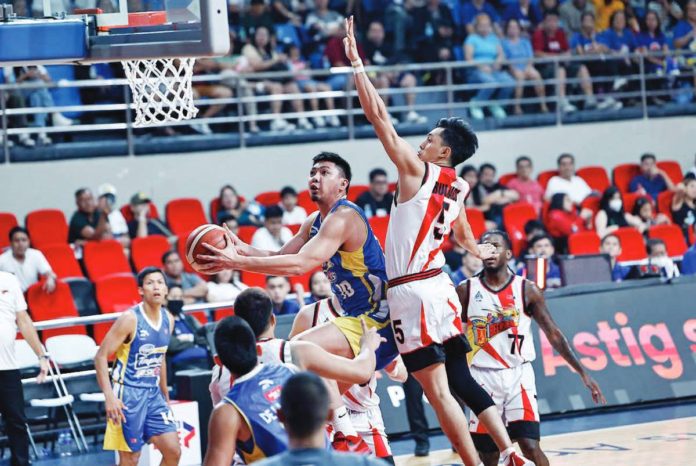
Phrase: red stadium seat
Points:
(592, 203)
(623, 174)
(664, 203)
(268, 198)
(115, 293)
(629, 200)
(305, 201)
(673, 237)
(515, 216)
(595, 176)
(56, 305)
(103, 258)
(356, 190)
(544, 177)
(223, 312)
(379, 228)
(148, 251)
(185, 215)
(47, 226)
(673, 170)
(7, 222)
(477, 221)
(253, 279)
(62, 260)
(128, 213)
(246, 232)
(584, 242)
(506, 178)
(392, 187)
(632, 244)
(294, 228)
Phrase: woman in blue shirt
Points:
(519, 48)
(652, 40)
(485, 49)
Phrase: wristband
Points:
(357, 63)
(358, 69)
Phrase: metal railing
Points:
(643, 86)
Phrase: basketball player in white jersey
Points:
(423, 304)
(500, 308)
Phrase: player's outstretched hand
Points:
(370, 338)
(349, 42)
(218, 259)
(114, 410)
(597, 395)
(486, 251)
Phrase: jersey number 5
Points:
(440, 228)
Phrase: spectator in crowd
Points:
(651, 40)
(336, 56)
(542, 247)
(470, 266)
(549, 6)
(29, 265)
(142, 224)
(311, 86)
(433, 31)
(278, 289)
(377, 201)
(209, 90)
(88, 223)
(187, 348)
(611, 215)
(304, 411)
(229, 203)
(468, 11)
(567, 181)
(256, 16)
(518, 47)
(470, 175)
(379, 53)
(563, 219)
(292, 213)
(611, 245)
(604, 9)
(319, 288)
(571, 13)
(231, 222)
(525, 13)
(685, 34)
(195, 289)
(15, 99)
(262, 57)
(659, 258)
(532, 229)
(620, 41)
(117, 223)
(550, 41)
(485, 49)
(651, 180)
(288, 11)
(492, 196)
(684, 206)
(224, 286)
(528, 188)
(273, 235)
(644, 212)
(323, 23)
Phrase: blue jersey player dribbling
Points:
(136, 396)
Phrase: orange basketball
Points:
(209, 234)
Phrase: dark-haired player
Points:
(136, 398)
(500, 309)
(425, 311)
(246, 420)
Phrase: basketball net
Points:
(161, 89)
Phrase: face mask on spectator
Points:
(615, 204)
(175, 306)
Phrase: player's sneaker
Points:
(517, 460)
(350, 443)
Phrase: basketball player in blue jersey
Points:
(136, 397)
(246, 421)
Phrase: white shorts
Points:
(370, 425)
(514, 393)
(425, 314)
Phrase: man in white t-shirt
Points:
(117, 222)
(14, 316)
(29, 265)
(273, 235)
(567, 181)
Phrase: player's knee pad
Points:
(464, 385)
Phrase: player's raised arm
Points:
(465, 238)
(398, 150)
(223, 429)
(536, 306)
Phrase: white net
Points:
(161, 89)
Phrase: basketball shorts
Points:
(147, 415)
(514, 393)
(425, 316)
(370, 425)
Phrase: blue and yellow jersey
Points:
(139, 361)
(358, 278)
(256, 396)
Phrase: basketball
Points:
(210, 234)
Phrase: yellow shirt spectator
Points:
(604, 9)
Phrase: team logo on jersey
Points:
(479, 297)
(496, 321)
(143, 333)
(272, 395)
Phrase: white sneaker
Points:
(26, 140)
(201, 128)
(619, 83)
(319, 122)
(590, 102)
(567, 107)
(10, 143)
(333, 121)
(60, 120)
(476, 113)
(280, 124)
(415, 118)
(43, 139)
(498, 112)
(606, 103)
(304, 123)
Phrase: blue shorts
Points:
(147, 415)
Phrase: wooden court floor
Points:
(662, 443)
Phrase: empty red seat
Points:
(356, 190)
(62, 260)
(392, 186)
(584, 242)
(544, 177)
(673, 237)
(379, 228)
(7, 222)
(623, 174)
(506, 178)
(56, 305)
(46, 226)
(115, 293)
(185, 215)
(673, 170)
(595, 176)
(664, 203)
(632, 244)
(476, 220)
(103, 258)
(223, 312)
(253, 279)
(294, 228)
(268, 198)
(305, 201)
(128, 213)
(148, 251)
(515, 216)
(246, 232)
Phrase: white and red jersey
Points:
(499, 328)
(418, 227)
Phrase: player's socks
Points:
(510, 457)
(341, 422)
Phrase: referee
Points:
(13, 316)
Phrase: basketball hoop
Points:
(162, 90)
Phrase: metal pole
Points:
(351, 119)
(450, 92)
(559, 113)
(130, 140)
(240, 112)
(6, 137)
(643, 86)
